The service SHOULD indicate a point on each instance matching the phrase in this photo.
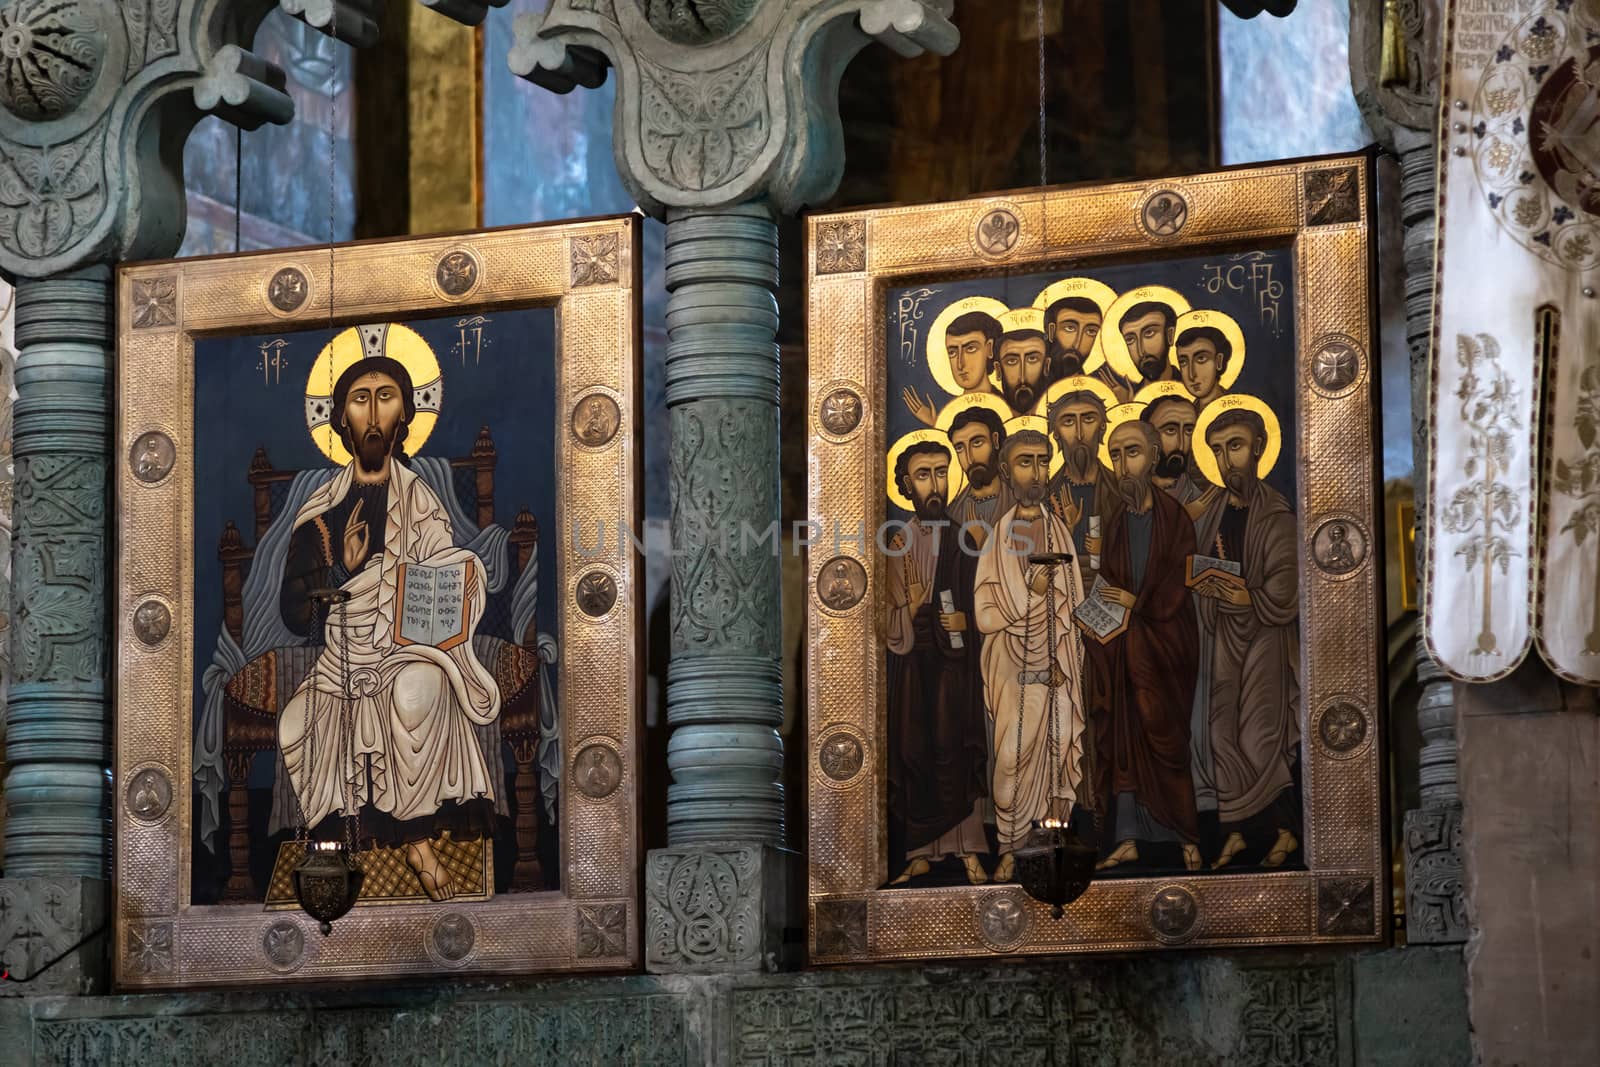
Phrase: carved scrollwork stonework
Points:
(58, 579)
(80, 180)
(719, 102)
(1435, 878)
(703, 906)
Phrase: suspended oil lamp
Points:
(328, 880)
(1055, 865)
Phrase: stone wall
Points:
(1401, 1006)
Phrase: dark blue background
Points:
(1269, 366)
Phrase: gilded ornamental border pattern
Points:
(1321, 210)
(588, 271)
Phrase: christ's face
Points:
(970, 356)
(1237, 449)
(1027, 467)
(1074, 333)
(975, 449)
(928, 484)
(1200, 367)
(1021, 370)
(1147, 338)
(373, 412)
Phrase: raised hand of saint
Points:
(355, 539)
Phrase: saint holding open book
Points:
(383, 723)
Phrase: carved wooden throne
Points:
(255, 695)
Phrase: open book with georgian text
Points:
(432, 604)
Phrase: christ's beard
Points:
(930, 508)
(1030, 494)
(980, 475)
(1172, 465)
(373, 450)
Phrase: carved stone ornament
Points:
(1164, 213)
(151, 456)
(602, 931)
(595, 419)
(841, 928)
(1340, 546)
(841, 756)
(1174, 913)
(152, 621)
(842, 583)
(1336, 364)
(80, 81)
(149, 794)
(720, 102)
(1341, 728)
(841, 247)
(453, 936)
(284, 944)
(1333, 196)
(1002, 919)
(596, 771)
(841, 411)
(1344, 906)
(597, 592)
(704, 906)
(456, 272)
(288, 290)
(594, 259)
(1436, 911)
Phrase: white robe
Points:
(414, 706)
(1014, 622)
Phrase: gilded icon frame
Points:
(1323, 210)
(589, 272)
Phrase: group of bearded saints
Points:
(996, 698)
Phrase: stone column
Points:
(1398, 101)
(725, 119)
(85, 141)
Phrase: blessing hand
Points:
(919, 406)
(355, 539)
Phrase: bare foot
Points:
(1127, 852)
(916, 869)
(1191, 857)
(1007, 869)
(1230, 848)
(1281, 849)
(976, 875)
(436, 881)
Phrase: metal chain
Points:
(1042, 137)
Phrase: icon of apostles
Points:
(1153, 682)
(383, 725)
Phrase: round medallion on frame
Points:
(841, 583)
(1342, 727)
(152, 457)
(595, 419)
(1163, 213)
(596, 594)
(840, 411)
(452, 936)
(997, 230)
(149, 794)
(457, 273)
(1002, 919)
(283, 943)
(597, 770)
(841, 755)
(1338, 365)
(1340, 546)
(152, 622)
(1174, 914)
(288, 290)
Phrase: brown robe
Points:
(1143, 679)
(1254, 701)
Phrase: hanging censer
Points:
(328, 880)
(1054, 865)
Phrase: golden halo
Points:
(1203, 457)
(938, 356)
(992, 401)
(1040, 424)
(401, 344)
(1117, 353)
(1078, 383)
(1159, 391)
(1230, 330)
(1118, 415)
(1102, 295)
(897, 496)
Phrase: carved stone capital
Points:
(48, 936)
(723, 101)
(84, 85)
(721, 909)
(1436, 912)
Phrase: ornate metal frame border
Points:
(590, 272)
(1320, 208)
